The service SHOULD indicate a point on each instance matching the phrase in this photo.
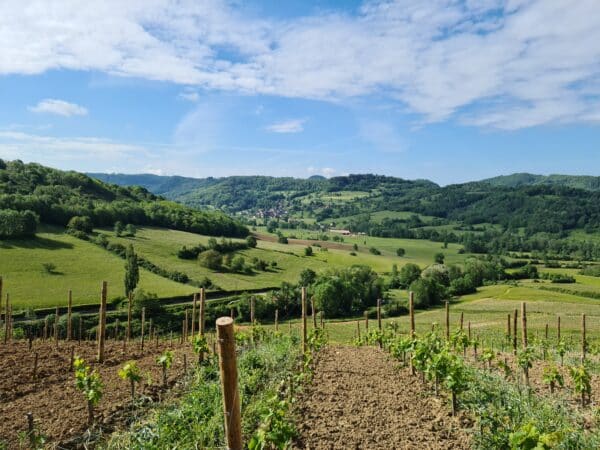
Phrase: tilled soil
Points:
(361, 399)
(58, 408)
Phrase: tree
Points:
(80, 223)
(428, 292)
(308, 251)
(400, 252)
(238, 264)
(119, 228)
(130, 230)
(132, 270)
(307, 277)
(439, 258)
(211, 259)
(251, 241)
(409, 273)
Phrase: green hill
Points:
(587, 182)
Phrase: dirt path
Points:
(360, 399)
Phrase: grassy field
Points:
(80, 266)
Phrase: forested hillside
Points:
(524, 179)
(31, 193)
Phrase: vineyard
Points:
(411, 383)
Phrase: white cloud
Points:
(325, 171)
(493, 63)
(58, 107)
(287, 126)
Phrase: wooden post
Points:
(194, 315)
(129, 316)
(252, 318)
(508, 335)
(447, 320)
(45, 327)
(231, 313)
(143, 325)
(558, 328)
(379, 314)
(314, 312)
(524, 323)
(358, 329)
(515, 332)
(229, 382)
(6, 318)
(546, 332)
(461, 320)
(187, 324)
(79, 337)
(56, 317)
(202, 317)
(117, 330)
(102, 323)
(411, 312)
(469, 330)
(31, 431)
(69, 314)
(35, 365)
(322, 320)
(303, 298)
(276, 320)
(583, 338)
(366, 322)
(1, 300)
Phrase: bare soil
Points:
(360, 398)
(58, 408)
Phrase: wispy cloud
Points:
(190, 95)
(58, 107)
(325, 171)
(287, 126)
(498, 63)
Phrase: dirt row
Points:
(58, 408)
(361, 399)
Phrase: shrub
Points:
(374, 251)
(308, 251)
(211, 259)
(80, 223)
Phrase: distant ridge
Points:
(586, 182)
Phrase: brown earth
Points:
(58, 408)
(361, 399)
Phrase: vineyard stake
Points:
(6, 319)
(515, 332)
(583, 338)
(469, 329)
(80, 330)
(194, 314)
(229, 380)
(184, 363)
(314, 313)
(69, 314)
(508, 327)
(30, 430)
(303, 298)
(56, 317)
(447, 320)
(322, 320)
(185, 328)
(379, 321)
(461, 320)
(45, 327)
(524, 323)
(252, 304)
(35, 365)
(1, 300)
(411, 312)
(129, 316)
(546, 332)
(358, 329)
(231, 313)
(102, 325)
(366, 314)
(202, 317)
(276, 320)
(143, 325)
(558, 328)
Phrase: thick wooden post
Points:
(229, 383)
(447, 320)
(462, 317)
(515, 332)
(546, 332)
(194, 315)
(583, 338)
(142, 330)
(276, 320)
(314, 312)
(6, 318)
(508, 334)
(102, 323)
(129, 306)
(202, 312)
(187, 323)
(56, 317)
(69, 314)
(411, 312)
(558, 328)
(303, 298)
(524, 323)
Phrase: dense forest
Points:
(31, 193)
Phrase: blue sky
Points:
(446, 90)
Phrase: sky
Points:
(445, 90)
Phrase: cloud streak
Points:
(287, 126)
(500, 63)
(59, 108)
